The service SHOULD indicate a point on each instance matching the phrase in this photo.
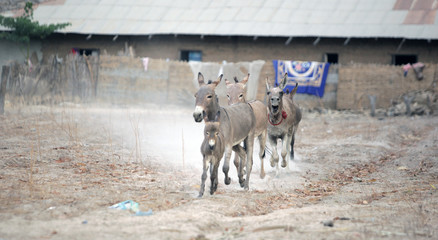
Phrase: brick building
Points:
(338, 31)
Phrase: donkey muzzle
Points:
(197, 114)
(211, 144)
(274, 108)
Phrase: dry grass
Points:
(136, 131)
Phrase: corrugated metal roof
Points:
(286, 18)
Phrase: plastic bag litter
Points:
(131, 206)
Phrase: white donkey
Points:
(284, 117)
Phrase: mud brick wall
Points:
(181, 87)
(387, 82)
(123, 80)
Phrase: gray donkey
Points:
(284, 117)
(236, 124)
(236, 93)
(212, 150)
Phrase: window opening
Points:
(331, 58)
(402, 59)
(191, 55)
(86, 51)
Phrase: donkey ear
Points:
(245, 79)
(201, 79)
(218, 80)
(235, 79)
(217, 118)
(283, 82)
(267, 85)
(294, 90)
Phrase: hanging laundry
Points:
(418, 69)
(406, 68)
(145, 63)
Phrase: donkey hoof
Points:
(272, 164)
(246, 188)
(283, 164)
(227, 181)
(200, 195)
(262, 175)
(242, 182)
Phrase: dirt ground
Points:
(354, 177)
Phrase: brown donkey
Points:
(236, 124)
(284, 117)
(236, 93)
(212, 150)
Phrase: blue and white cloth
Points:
(311, 76)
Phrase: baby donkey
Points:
(212, 150)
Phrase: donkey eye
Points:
(208, 134)
(216, 133)
(228, 96)
(241, 96)
(209, 96)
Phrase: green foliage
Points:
(24, 28)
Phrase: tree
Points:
(24, 28)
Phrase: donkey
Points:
(212, 150)
(284, 117)
(236, 124)
(236, 93)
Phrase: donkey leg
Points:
(285, 150)
(213, 177)
(274, 155)
(292, 153)
(262, 142)
(249, 143)
(203, 177)
(292, 157)
(237, 159)
(226, 166)
(241, 153)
